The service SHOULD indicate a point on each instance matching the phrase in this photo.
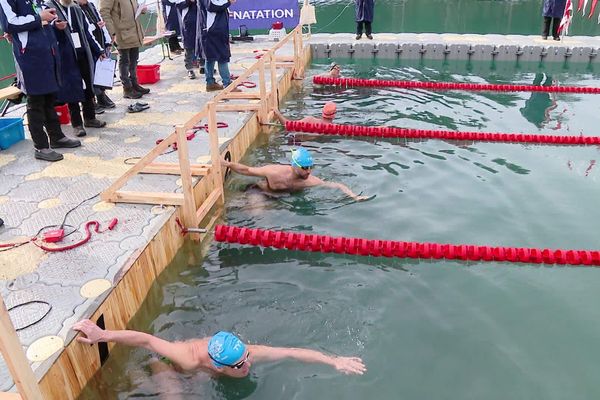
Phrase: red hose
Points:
(391, 132)
(389, 248)
(355, 82)
(83, 241)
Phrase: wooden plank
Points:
(215, 153)
(262, 85)
(12, 352)
(189, 201)
(173, 169)
(208, 203)
(138, 167)
(243, 95)
(9, 92)
(238, 107)
(175, 199)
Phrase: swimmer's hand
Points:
(361, 198)
(92, 333)
(225, 163)
(350, 365)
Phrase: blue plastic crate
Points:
(11, 132)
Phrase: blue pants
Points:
(209, 69)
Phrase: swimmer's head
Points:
(329, 110)
(227, 351)
(302, 162)
(334, 70)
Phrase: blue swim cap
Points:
(302, 158)
(225, 349)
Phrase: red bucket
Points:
(63, 114)
(148, 73)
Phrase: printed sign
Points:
(262, 14)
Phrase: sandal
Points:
(137, 107)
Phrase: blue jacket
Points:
(34, 46)
(554, 8)
(193, 21)
(171, 15)
(71, 88)
(215, 36)
(364, 10)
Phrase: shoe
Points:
(47, 155)
(140, 89)
(104, 101)
(369, 36)
(137, 107)
(94, 123)
(202, 70)
(213, 87)
(65, 143)
(177, 51)
(545, 37)
(131, 93)
(358, 36)
(98, 109)
(79, 131)
(557, 38)
(191, 74)
(1, 222)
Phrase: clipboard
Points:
(104, 74)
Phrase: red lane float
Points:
(389, 248)
(355, 82)
(391, 132)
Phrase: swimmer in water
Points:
(289, 178)
(222, 354)
(327, 115)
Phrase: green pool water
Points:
(425, 329)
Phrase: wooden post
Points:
(296, 63)
(189, 201)
(215, 153)
(12, 351)
(300, 54)
(262, 84)
(274, 95)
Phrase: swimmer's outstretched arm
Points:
(346, 365)
(343, 188)
(181, 353)
(279, 116)
(246, 170)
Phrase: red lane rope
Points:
(391, 132)
(389, 248)
(355, 82)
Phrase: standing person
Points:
(34, 51)
(215, 42)
(552, 12)
(223, 354)
(193, 20)
(364, 17)
(171, 17)
(78, 51)
(103, 38)
(127, 34)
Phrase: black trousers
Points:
(174, 43)
(88, 103)
(128, 60)
(359, 27)
(555, 24)
(41, 114)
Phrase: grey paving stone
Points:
(9, 182)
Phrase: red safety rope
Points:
(7, 77)
(391, 132)
(390, 248)
(355, 82)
